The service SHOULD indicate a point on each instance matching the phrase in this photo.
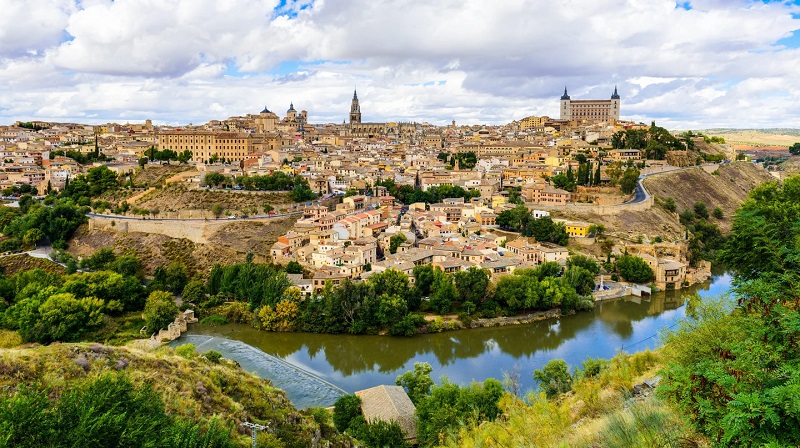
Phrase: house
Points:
(577, 228)
(389, 404)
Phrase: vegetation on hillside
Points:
(407, 194)
(543, 229)
(654, 142)
(736, 373)
(93, 395)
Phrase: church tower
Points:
(614, 112)
(566, 111)
(355, 110)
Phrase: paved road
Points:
(641, 193)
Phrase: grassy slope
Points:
(599, 411)
(726, 190)
(191, 388)
(230, 244)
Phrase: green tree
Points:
(634, 269)
(629, 179)
(194, 292)
(669, 205)
(417, 382)
(217, 210)
(294, 267)
(214, 179)
(584, 262)
(395, 241)
(159, 311)
(32, 237)
(472, 284)
(443, 292)
(345, 410)
(554, 378)
(795, 149)
(302, 191)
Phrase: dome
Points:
(265, 111)
(291, 107)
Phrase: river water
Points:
(314, 369)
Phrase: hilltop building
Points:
(590, 110)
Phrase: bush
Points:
(214, 320)
(213, 356)
(554, 379)
(187, 351)
(346, 408)
(634, 269)
(159, 311)
(669, 205)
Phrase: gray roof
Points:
(389, 403)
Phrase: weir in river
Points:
(303, 388)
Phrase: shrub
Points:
(187, 351)
(554, 379)
(214, 320)
(345, 410)
(159, 310)
(213, 356)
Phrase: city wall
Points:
(604, 210)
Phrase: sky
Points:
(695, 64)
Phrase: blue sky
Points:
(690, 65)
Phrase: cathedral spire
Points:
(615, 95)
(565, 96)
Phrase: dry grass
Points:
(599, 411)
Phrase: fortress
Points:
(590, 110)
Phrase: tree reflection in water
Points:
(356, 362)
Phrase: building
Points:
(226, 146)
(389, 404)
(355, 110)
(590, 110)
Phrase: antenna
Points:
(255, 427)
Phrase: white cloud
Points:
(477, 61)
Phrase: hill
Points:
(727, 189)
(192, 388)
(229, 244)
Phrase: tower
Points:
(291, 114)
(355, 110)
(566, 112)
(614, 112)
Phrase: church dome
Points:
(265, 111)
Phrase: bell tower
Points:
(355, 110)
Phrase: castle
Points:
(590, 110)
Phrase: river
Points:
(315, 368)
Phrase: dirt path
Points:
(136, 197)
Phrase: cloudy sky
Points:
(688, 65)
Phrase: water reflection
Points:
(357, 362)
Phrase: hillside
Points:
(23, 262)
(726, 190)
(192, 389)
(180, 198)
(228, 244)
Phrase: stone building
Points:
(590, 110)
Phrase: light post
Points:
(254, 428)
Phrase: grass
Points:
(194, 388)
(599, 411)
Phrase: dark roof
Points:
(565, 96)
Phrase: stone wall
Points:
(604, 210)
(196, 231)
